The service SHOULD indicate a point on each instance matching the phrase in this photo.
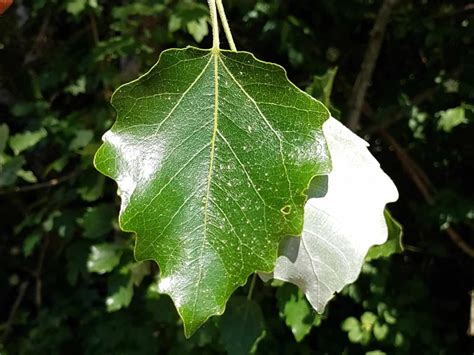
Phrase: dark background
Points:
(59, 64)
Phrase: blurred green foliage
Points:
(70, 270)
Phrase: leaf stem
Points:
(252, 286)
(225, 24)
(215, 24)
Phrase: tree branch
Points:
(425, 187)
(14, 310)
(40, 185)
(364, 77)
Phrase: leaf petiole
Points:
(252, 286)
(215, 24)
(225, 24)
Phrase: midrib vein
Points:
(213, 140)
(209, 175)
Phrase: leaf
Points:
(9, 170)
(22, 141)
(103, 258)
(30, 243)
(76, 88)
(242, 326)
(120, 291)
(92, 187)
(298, 314)
(393, 244)
(212, 152)
(380, 331)
(97, 220)
(192, 17)
(82, 138)
(75, 7)
(198, 29)
(77, 255)
(321, 87)
(451, 118)
(339, 227)
(27, 175)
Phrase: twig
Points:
(368, 64)
(39, 40)
(252, 286)
(40, 185)
(94, 30)
(14, 310)
(38, 271)
(398, 115)
(411, 168)
(466, 9)
(470, 330)
(421, 181)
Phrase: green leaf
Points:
(4, 132)
(79, 87)
(92, 188)
(97, 220)
(9, 171)
(298, 314)
(393, 244)
(242, 326)
(75, 7)
(321, 87)
(212, 152)
(380, 331)
(350, 323)
(103, 258)
(22, 141)
(82, 138)
(77, 255)
(120, 291)
(27, 175)
(451, 118)
(368, 319)
(198, 29)
(192, 17)
(340, 226)
(30, 243)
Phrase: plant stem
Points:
(252, 286)
(364, 77)
(225, 24)
(215, 24)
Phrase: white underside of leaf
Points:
(340, 227)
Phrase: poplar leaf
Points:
(212, 152)
(341, 225)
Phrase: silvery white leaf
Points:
(341, 226)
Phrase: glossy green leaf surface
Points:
(341, 225)
(212, 152)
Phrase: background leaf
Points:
(394, 241)
(298, 314)
(241, 326)
(22, 141)
(103, 258)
